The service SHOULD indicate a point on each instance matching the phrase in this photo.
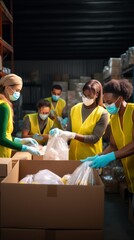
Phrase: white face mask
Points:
(87, 101)
(43, 116)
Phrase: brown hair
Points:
(96, 87)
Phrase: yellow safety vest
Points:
(60, 105)
(33, 118)
(80, 150)
(4, 151)
(123, 136)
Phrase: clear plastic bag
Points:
(83, 175)
(42, 177)
(56, 149)
(47, 177)
(27, 179)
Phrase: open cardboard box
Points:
(50, 206)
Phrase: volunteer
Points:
(37, 125)
(116, 95)
(58, 107)
(88, 121)
(10, 88)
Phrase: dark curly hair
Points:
(122, 87)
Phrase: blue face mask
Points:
(55, 97)
(15, 96)
(111, 108)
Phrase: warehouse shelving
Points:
(129, 73)
(6, 37)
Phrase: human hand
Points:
(52, 114)
(89, 159)
(32, 150)
(54, 131)
(66, 135)
(103, 160)
(63, 122)
(38, 137)
(26, 141)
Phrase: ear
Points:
(6, 87)
(121, 99)
(97, 94)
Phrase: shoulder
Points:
(48, 98)
(62, 100)
(30, 115)
(77, 105)
(102, 110)
(4, 107)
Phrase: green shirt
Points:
(4, 116)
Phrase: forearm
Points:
(26, 134)
(97, 133)
(10, 144)
(109, 149)
(125, 151)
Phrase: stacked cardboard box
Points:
(115, 67)
(50, 212)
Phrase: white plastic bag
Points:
(82, 175)
(56, 149)
(47, 177)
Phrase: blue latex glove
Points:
(64, 121)
(89, 159)
(30, 149)
(26, 141)
(53, 113)
(54, 131)
(103, 160)
(38, 136)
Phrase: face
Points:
(13, 92)
(89, 94)
(44, 110)
(88, 98)
(110, 98)
(56, 92)
(15, 88)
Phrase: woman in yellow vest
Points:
(37, 125)
(88, 121)
(58, 107)
(116, 93)
(10, 88)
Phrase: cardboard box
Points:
(35, 157)
(20, 156)
(5, 166)
(50, 206)
(41, 234)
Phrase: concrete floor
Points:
(117, 225)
